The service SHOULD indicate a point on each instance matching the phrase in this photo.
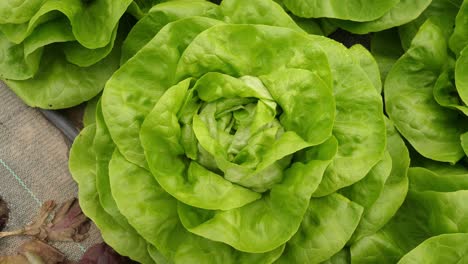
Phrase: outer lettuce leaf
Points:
(160, 224)
(59, 83)
(368, 64)
(464, 142)
(435, 205)
(235, 12)
(83, 168)
(383, 190)
(451, 248)
(317, 239)
(348, 10)
(21, 61)
(447, 95)
(18, 11)
(403, 12)
(459, 39)
(51, 87)
(159, 16)
(103, 149)
(84, 57)
(58, 54)
(89, 115)
(92, 22)
(342, 257)
(461, 75)
(139, 8)
(441, 12)
(263, 13)
(327, 27)
(27, 55)
(409, 89)
(356, 100)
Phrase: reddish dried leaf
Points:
(103, 254)
(68, 224)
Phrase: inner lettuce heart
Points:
(236, 148)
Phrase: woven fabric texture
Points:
(33, 169)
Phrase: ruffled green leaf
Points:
(409, 89)
(160, 224)
(401, 13)
(317, 239)
(384, 189)
(92, 22)
(21, 61)
(435, 205)
(279, 212)
(158, 17)
(441, 12)
(368, 64)
(348, 10)
(461, 75)
(444, 248)
(356, 100)
(18, 11)
(83, 169)
(459, 39)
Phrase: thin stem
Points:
(12, 233)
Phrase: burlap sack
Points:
(33, 169)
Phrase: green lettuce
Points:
(441, 12)
(235, 133)
(349, 10)
(359, 17)
(240, 138)
(401, 13)
(83, 165)
(420, 83)
(443, 248)
(57, 54)
(434, 206)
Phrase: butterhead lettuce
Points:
(232, 136)
(57, 54)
